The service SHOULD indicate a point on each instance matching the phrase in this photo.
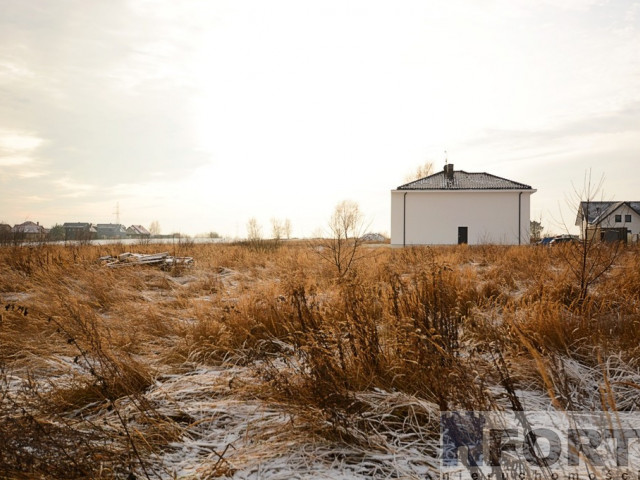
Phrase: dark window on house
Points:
(618, 218)
(627, 218)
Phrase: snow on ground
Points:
(239, 436)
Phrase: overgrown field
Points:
(266, 363)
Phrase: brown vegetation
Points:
(82, 347)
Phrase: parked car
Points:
(545, 241)
(561, 239)
(557, 240)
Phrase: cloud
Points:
(554, 140)
(70, 188)
(18, 141)
(109, 96)
(30, 173)
(17, 147)
(13, 160)
(36, 199)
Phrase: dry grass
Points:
(406, 332)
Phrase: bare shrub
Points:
(382, 330)
(154, 228)
(591, 258)
(277, 230)
(346, 227)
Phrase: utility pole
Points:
(117, 213)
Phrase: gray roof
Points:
(89, 227)
(28, 227)
(138, 230)
(111, 226)
(464, 181)
(76, 225)
(596, 212)
(111, 229)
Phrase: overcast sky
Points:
(201, 115)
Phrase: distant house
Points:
(29, 232)
(373, 237)
(609, 221)
(452, 207)
(82, 231)
(111, 231)
(138, 231)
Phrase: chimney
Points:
(448, 171)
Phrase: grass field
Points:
(265, 363)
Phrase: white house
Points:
(452, 207)
(609, 220)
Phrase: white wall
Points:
(610, 221)
(433, 217)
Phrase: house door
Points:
(462, 235)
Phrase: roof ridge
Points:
(506, 179)
(469, 181)
(421, 178)
(637, 210)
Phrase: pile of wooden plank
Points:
(163, 260)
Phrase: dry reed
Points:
(359, 357)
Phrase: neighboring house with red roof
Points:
(609, 221)
(454, 207)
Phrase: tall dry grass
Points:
(446, 326)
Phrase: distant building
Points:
(111, 231)
(138, 231)
(29, 232)
(609, 221)
(373, 237)
(452, 207)
(81, 231)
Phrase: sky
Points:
(201, 115)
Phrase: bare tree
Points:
(591, 257)
(277, 229)
(5, 233)
(154, 228)
(254, 230)
(536, 230)
(420, 171)
(318, 232)
(342, 247)
(287, 228)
